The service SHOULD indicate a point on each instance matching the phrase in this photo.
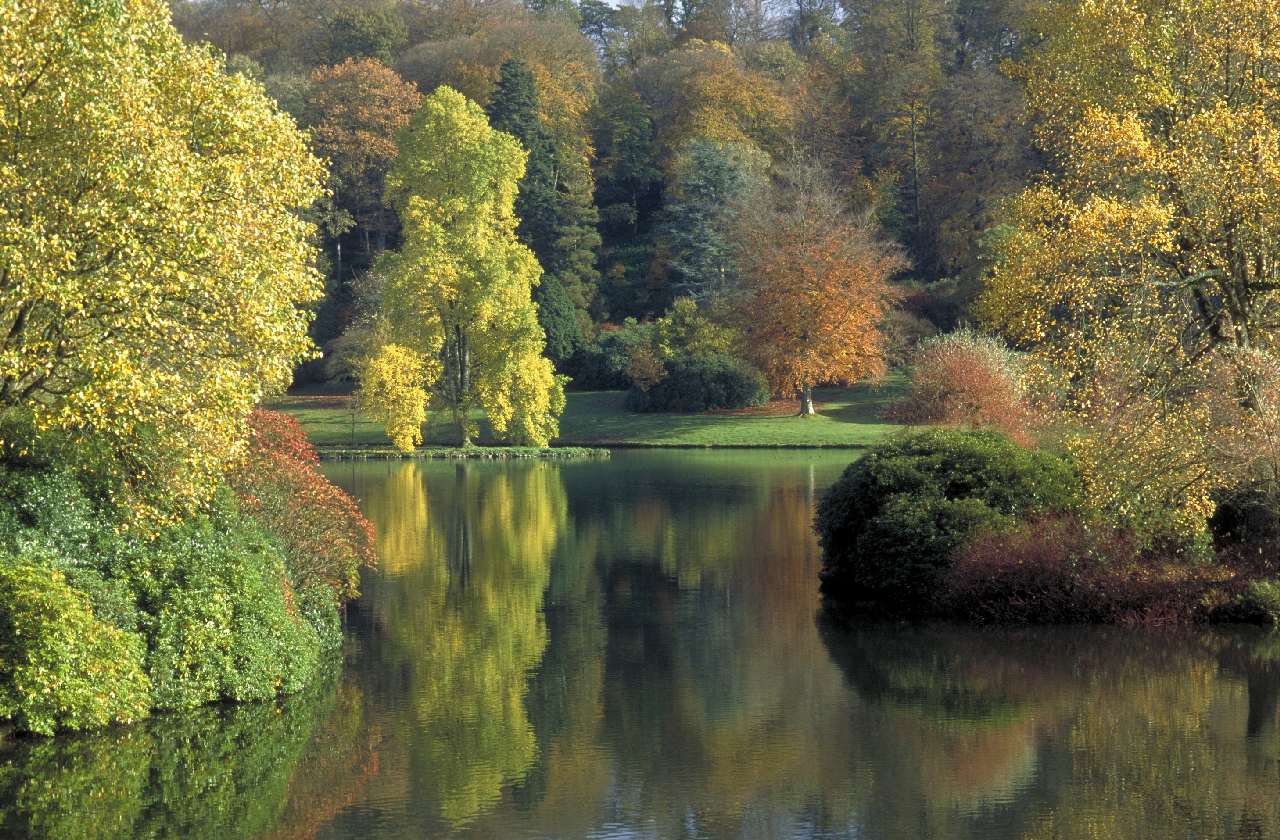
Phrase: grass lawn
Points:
(847, 417)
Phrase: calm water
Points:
(632, 649)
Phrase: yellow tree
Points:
(153, 264)
(455, 308)
(1145, 273)
(814, 285)
(704, 90)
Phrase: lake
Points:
(634, 648)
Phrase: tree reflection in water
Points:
(631, 648)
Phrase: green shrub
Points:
(602, 365)
(1258, 604)
(702, 382)
(889, 525)
(1248, 516)
(64, 668)
(220, 614)
(205, 608)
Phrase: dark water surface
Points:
(632, 649)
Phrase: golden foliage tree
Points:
(355, 109)
(562, 61)
(1144, 274)
(703, 89)
(455, 305)
(814, 285)
(152, 260)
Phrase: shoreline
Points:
(490, 453)
(569, 451)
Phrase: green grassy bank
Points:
(847, 418)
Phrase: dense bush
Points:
(1067, 569)
(1259, 603)
(637, 352)
(701, 382)
(1051, 570)
(889, 525)
(969, 380)
(1249, 516)
(602, 364)
(63, 668)
(220, 613)
(201, 610)
(326, 540)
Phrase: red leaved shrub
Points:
(324, 536)
(1061, 569)
(969, 380)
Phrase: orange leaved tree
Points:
(814, 287)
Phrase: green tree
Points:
(356, 32)
(711, 179)
(154, 264)
(456, 300)
(549, 223)
(902, 71)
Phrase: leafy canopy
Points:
(456, 302)
(154, 266)
(814, 284)
(1144, 274)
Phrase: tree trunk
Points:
(806, 402)
(462, 403)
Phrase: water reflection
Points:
(454, 625)
(278, 770)
(630, 649)
(1064, 733)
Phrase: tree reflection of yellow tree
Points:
(464, 621)
(1173, 747)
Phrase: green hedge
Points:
(889, 525)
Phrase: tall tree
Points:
(154, 265)
(703, 89)
(899, 45)
(815, 285)
(355, 110)
(455, 313)
(557, 218)
(562, 61)
(711, 181)
(629, 193)
(376, 32)
(1146, 274)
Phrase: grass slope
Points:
(847, 417)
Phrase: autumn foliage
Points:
(324, 535)
(1065, 569)
(355, 109)
(815, 285)
(970, 380)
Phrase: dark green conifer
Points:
(557, 215)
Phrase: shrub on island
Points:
(890, 525)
